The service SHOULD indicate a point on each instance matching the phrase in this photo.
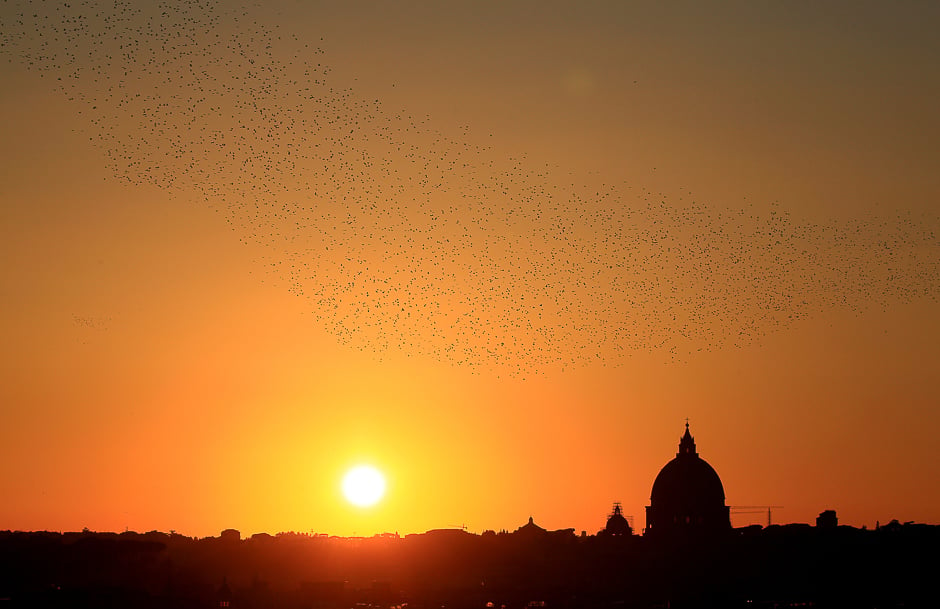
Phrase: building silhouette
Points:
(827, 519)
(530, 529)
(687, 499)
(617, 523)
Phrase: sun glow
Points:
(363, 485)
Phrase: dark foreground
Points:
(794, 565)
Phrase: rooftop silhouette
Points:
(753, 566)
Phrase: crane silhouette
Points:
(756, 509)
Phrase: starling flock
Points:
(405, 237)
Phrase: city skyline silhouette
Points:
(498, 252)
(688, 556)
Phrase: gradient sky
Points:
(499, 250)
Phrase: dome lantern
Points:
(687, 443)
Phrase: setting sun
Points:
(363, 485)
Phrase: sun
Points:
(363, 485)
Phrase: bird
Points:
(400, 233)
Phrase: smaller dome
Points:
(530, 529)
(617, 524)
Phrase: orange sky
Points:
(590, 221)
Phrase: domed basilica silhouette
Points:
(687, 499)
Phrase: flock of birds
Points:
(402, 237)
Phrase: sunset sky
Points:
(498, 250)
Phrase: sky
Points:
(499, 250)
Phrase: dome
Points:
(687, 497)
(687, 482)
(617, 524)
